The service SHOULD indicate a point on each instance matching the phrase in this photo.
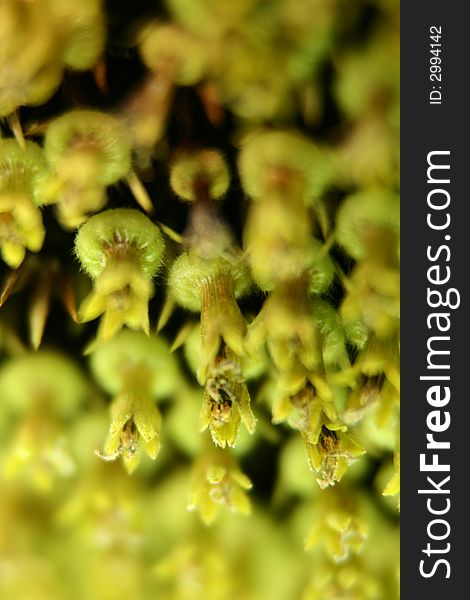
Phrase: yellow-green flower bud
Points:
(22, 168)
(190, 277)
(217, 480)
(85, 44)
(250, 368)
(283, 171)
(368, 78)
(282, 160)
(286, 323)
(88, 148)
(173, 52)
(30, 65)
(210, 18)
(211, 287)
(330, 450)
(201, 170)
(88, 151)
(278, 240)
(136, 369)
(42, 392)
(368, 224)
(83, 28)
(113, 360)
(22, 172)
(121, 250)
(339, 525)
(45, 379)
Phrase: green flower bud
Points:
(369, 154)
(38, 454)
(253, 82)
(211, 287)
(123, 232)
(368, 78)
(204, 169)
(280, 170)
(278, 240)
(307, 40)
(26, 381)
(88, 148)
(211, 18)
(368, 222)
(271, 160)
(189, 277)
(174, 52)
(22, 168)
(30, 69)
(85, 45)
(88, 151)
(82, 23)
(113, 360)
(42, 391)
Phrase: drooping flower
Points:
(226, 401)
(22, 171)
(136, 370)
(135, 425)
(330, 448)
(218, 481)
(121, 249)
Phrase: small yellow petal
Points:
(131, 461)
(91, 307)
(152, 447)
(111, 322)
(239, 501)
(13, 254)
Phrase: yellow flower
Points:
(332, 453)
(21, 171)
(121, 294)
(39, 453)
(338, 525)
(218, 481)
(287, 323)
(330, 450)
(135, 425)
(121, 249)
(226, 402)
